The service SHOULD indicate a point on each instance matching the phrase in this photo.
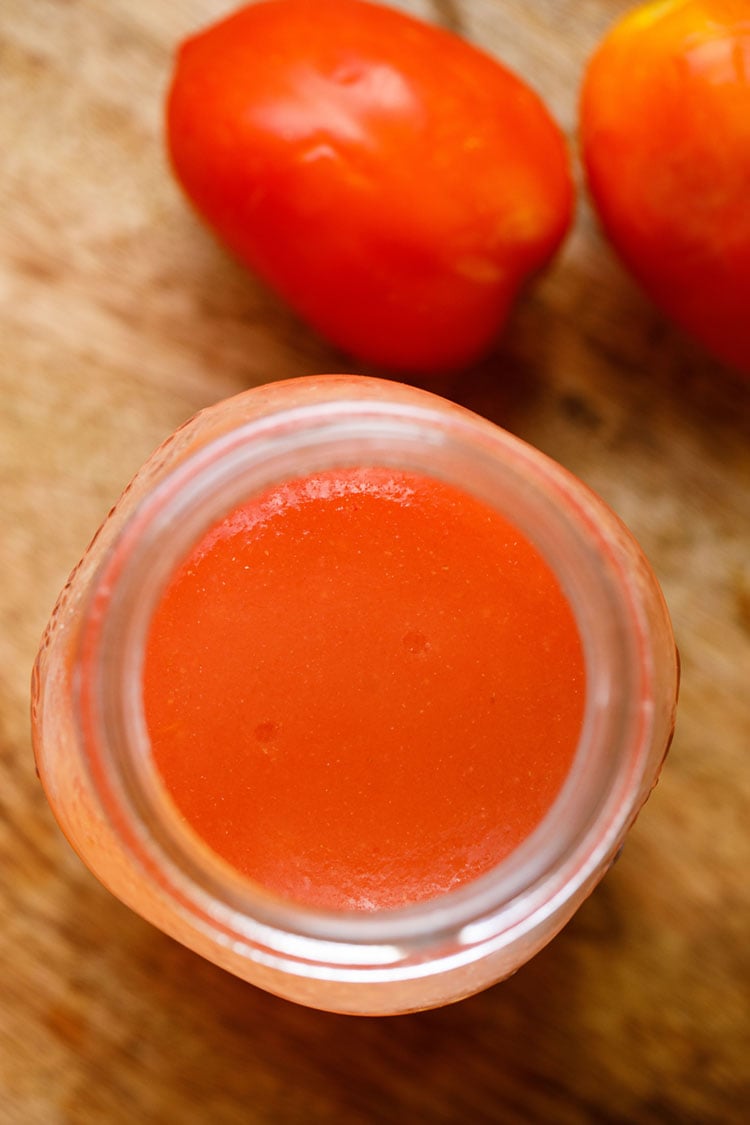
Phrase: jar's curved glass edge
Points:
(368, 932)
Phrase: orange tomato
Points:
(665, 132)
(394, 184)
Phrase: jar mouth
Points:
(595, 804)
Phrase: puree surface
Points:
(363, 688)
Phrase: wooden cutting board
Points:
(119, 317)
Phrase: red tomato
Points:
(395, 185)
(665, 130)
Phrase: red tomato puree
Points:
(363, 688)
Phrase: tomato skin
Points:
(395, 185)
(665, 135)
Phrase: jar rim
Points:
(596, 802)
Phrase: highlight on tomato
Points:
(665, 136)
(393, 183)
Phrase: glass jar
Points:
(91, 741)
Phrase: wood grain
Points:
(118, 318)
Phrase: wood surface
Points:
(120, 317)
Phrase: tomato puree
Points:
(363, 688)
